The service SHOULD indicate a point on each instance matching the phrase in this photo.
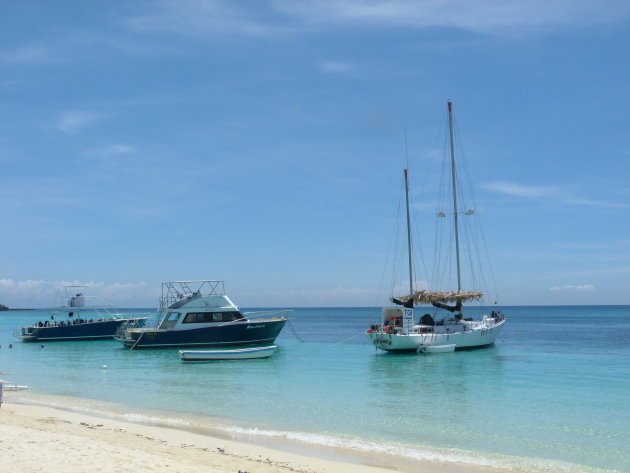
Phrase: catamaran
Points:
(399, 331)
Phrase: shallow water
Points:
(551, 395)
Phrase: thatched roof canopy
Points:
(429, 297)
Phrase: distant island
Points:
(4, 307)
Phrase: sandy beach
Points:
(44, 439)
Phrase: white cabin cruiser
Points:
(199, 314)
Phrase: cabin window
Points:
(173, 316)
(198, 317)
(205, 317)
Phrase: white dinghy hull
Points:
(235, 354)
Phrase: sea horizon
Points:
(499, 306)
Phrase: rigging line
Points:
(488, 259)
(294, 331)
(428, 170)
(476, 275)
(327, 347)
(417, 242)
(139, 337)
(386, 266)
(463, 180)
(479, 227)
(423, 195)
(396, 256)
(439, 226)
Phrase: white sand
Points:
(45, 439)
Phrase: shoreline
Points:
(55, 431)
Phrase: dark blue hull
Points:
(97, 330)
(262, 332)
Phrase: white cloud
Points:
(560, 195)
(33, 293)
(598, 203)
(220, 17)
(202, 17)
(570, 288)
(519, 190)
(477, 16)
(72, 121)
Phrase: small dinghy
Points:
(234, 354)
(436, 348)
(7, 386)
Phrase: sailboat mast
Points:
(454, 180)
(408, 236)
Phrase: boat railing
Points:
(122, 332)
(179, 291)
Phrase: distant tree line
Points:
(3, 307)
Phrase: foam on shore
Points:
(320, 446)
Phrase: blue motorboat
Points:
(82, 318)
(200, 314)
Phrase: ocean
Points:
(552, 395)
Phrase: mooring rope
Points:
(294, 332)
(327, 347)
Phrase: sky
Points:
(263, 143)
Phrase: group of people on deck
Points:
(61, 323)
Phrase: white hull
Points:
(236, 354)
(436, 349)
(473, 338)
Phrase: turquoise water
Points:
(552, 395)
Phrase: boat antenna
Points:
(409, 238)
(453, 176)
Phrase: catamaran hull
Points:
(234, 334)
(464, 340)
(97, 330)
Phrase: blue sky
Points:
(263, 142)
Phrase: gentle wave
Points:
(354, 446)
(455, 456)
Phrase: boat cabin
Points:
(187, 310)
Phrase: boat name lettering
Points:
(382, 340)
(255, 326)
